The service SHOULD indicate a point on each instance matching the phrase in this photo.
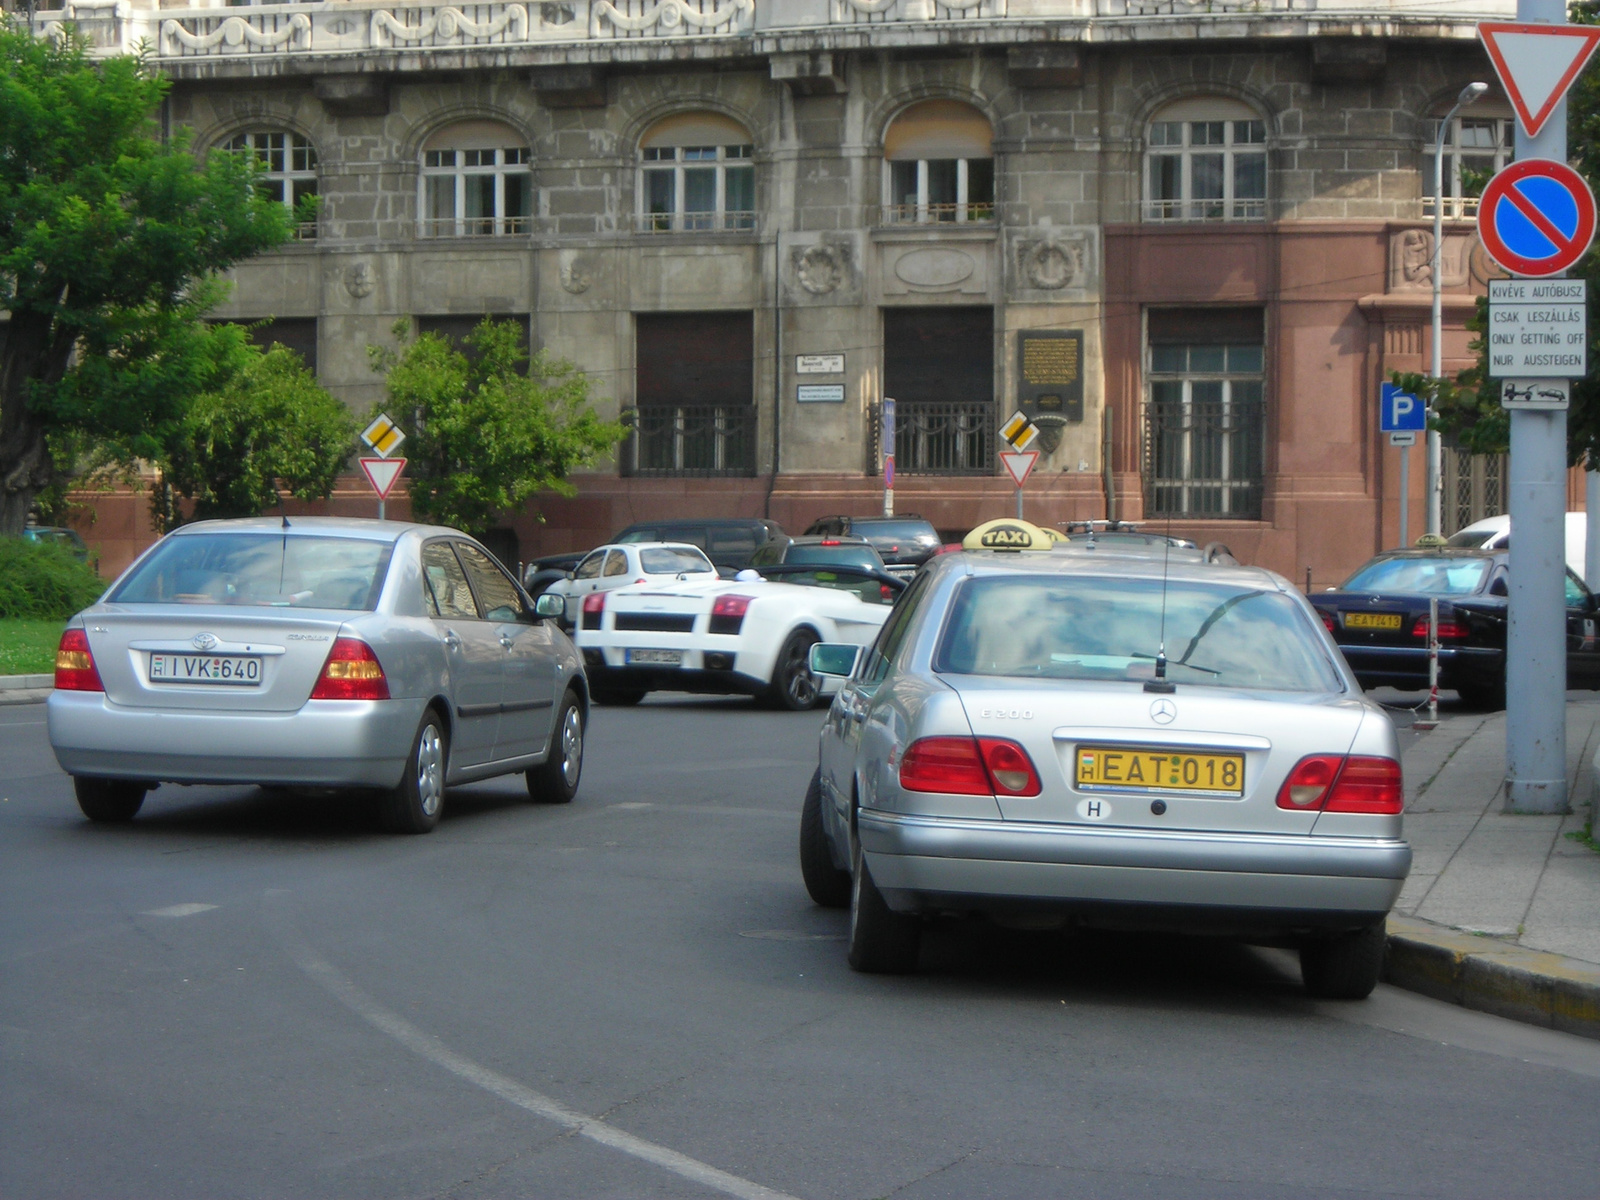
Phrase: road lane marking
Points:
(509, 1090)
(178, 910)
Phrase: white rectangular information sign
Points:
(819, 364)
(820, 393)
(1538, 329)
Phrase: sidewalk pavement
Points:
(25, 689)
(1501, 912)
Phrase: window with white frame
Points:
(1206, 160)
(938, 164)
(696, 174)
(475, 182)
(288, 168)
(1475, 148)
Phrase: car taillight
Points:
(594, 608)
(830, 542)
(731, 606)
(352, 672)
(1327, 619)
(75, 669)
(1335, 783)
(1449, 629)
(966, 766)
(885, 592)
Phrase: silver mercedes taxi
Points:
(1121, 740)
(317, 652)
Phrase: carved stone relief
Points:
(576, 272)
(1053, 262)
(822, 268)
(1462, 260)
(921, 269)
(359, 280)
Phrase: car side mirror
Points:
(549, 606)
(834, 658)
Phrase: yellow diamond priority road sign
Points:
(1019, 431)
(383, 435)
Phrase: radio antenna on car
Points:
(1161, 683)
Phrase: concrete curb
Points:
(1494, 976)
(25, 689)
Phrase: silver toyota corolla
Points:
(316, 652)
(1112, 739)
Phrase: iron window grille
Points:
(1206, 171)
(691, 440)
(942, 438)
(1205, 432)
(698, 188)
(289, 170)
(476, 193)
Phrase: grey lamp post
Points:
(1469, 94)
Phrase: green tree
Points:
(109, 244)
(485, 435)
(268, 425)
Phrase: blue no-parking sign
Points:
(1400, 411)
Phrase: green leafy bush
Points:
(42, 581)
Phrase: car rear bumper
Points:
(328, 743)
(929, 864)
(1408, 665)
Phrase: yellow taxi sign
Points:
(1007, 533)
(383, 435)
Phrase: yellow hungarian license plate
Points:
(1141, 768)
(1372, 620)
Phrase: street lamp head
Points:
(1473, 91)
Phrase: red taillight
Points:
(885, 592)
(352, 672)
(1449, 629)
(1327, 619)
(1334, 783)
(731, 606)
(830, 542)
(75, 669)
(965, 766)
(594, 602)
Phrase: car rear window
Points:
(1421, 576)
(1094, 628)
(661, 560)
(262, 569)
(839, 556)
(904, 530)
(1471, 539)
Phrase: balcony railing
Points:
(1456, 208)
(1205, 210)
(457, 227)
(690, 439)
(943, 438)
(1204, 459)
(934, 214)
(740, 221)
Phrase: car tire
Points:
(417, 803)
(882, 941)
(609, 698)
(555, 780)
(1345, 966)
(825, 883)
(1483, 697)
(109, 801)
(794, 687)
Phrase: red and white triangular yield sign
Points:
(1019, 464)
(1537, 64)
(382, 472)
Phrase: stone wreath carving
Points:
(359, 280)
(450, 23)
(574, 273)
(1050, 265)
(236, 31)
(822, 268)
(668, 14)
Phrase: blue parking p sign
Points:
(1400, 411)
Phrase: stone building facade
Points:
(1190, 238)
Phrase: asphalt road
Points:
(257, 995)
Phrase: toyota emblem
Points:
(205, 641)
(1163, 712)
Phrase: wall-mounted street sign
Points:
(819, 393)
(383, 436)
(819, 364)
(1399, 411)
(1018, 432)
(1538, 329)
(1549, 395)
(1536, 217)
(1537, 64)
(382, 473)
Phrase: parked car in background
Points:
(1016, 744)
(541, 572)
(904, 542)
(322, 652)
(748, 636)
(817, 551)
(58, 535)
(1379, 618)
(1494, 533)
(610, 567)
(728, 541)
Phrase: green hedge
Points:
(43, 581)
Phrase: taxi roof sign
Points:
(1007, 533)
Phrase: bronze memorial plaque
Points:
(1050, 380)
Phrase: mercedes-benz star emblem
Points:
(204, 641)
(1163, 712)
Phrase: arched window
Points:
(1206, 161)
(1475, 147)
(938, 164)
(289, 168)
(695, 173)
(475, 182)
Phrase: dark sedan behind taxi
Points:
(1379, 618)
